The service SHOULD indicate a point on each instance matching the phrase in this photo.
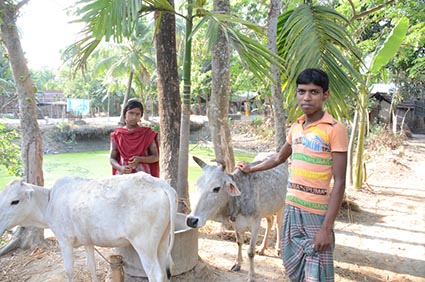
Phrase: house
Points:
(410, 113)
(243, 102)
(51, 103)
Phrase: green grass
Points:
(96, 165)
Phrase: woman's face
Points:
(132, 117)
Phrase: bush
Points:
(382, 139)
(10, 154)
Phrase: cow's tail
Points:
(172, 198)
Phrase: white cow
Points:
(117, 211)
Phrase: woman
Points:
(133, 147)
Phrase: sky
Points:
(45, 30)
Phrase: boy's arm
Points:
(323, 238)
(274, 160)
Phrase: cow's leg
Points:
(265, 243)
(68, 259)
(239, 241)
(91, 262)
(148, 255)
(279, 224)
(164, 256)
(255, 228)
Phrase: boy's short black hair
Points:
(315, 76)
(131, 104)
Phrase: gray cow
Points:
(241, 198)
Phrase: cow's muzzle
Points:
(192, 221)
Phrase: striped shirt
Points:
(311, 167)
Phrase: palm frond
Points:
(315, 37)
(254, 54)
(108, 20)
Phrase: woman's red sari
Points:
(135, 142)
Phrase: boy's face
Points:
(310, 98)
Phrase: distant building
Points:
(409, 113)
(51, 104)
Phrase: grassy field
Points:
(96, 165)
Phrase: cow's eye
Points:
(15, 202)
(216, 189)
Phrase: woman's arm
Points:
(152, 157)
(113, 160)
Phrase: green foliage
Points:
(7, 85)
(391, 45)
(65, 133)
(45, 79)
(316, 36)
(371, 22)
(10, 154)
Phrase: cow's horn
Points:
(200, 162)
(222, 163)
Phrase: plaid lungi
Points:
(302, 263)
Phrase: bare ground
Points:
(384, 240)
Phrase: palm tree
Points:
(182, 181)
(255, 56)
(116, 20)
(315, 36)
(276, 85)
(133, 58)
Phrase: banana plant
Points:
(383, 54)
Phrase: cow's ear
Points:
(233, 191)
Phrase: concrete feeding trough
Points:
(184, 252)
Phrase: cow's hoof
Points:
(236, 267)
(260, 251)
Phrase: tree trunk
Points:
(127, 94)
(31, 148)
(169, 117)
(218, 108)
(276, 88)
(183, 185)
(349, 174)
(358, 168)
(168, 97)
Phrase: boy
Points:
(318, 145)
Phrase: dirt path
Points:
(384, 241)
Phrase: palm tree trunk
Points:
(168, 97)
(349, 175)
(182, 184)
(276, 86)
(127, 94)
(218, 108)
(358, 168)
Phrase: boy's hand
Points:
(323, 240)
(244, 167)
